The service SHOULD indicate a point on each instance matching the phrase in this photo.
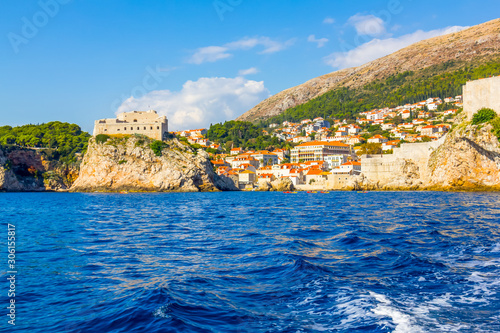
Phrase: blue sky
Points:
(198, 62)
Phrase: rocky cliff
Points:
(478, 43)
(129, 164)
(30, 170)
(468, 159)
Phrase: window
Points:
(135, 120)
(118, 129)
(137, 127)
(157, 127)
(144, 127)
(105, 130)
(124, 128)
(151, 127)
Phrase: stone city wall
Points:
(484, 93)
(384, 168)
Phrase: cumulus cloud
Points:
(370, 25)
(250, 71)
(328, 20)
(201, 102)
(321, 41)
(215, 53)
(378, 48)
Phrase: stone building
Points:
(148, 123)
(318, 150)
(484, 93)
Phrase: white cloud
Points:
(209, 54)
(199, 103)
(321, 41)
(378, 48)
(252, 70)
(328, 20)
(367, 25)
(215, 53)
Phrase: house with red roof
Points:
(390, 145)
(348, 168)
(236, 151)
(429, 130)
(377, 139)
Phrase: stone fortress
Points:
(484, 93)
(148, 123)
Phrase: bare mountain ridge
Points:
(478, 42)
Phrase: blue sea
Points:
(253, 262)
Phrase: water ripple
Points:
(256, 262)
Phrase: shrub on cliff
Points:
(157, 146)
(483, 115)
(101, 138)
(496, 127)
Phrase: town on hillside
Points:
(315, 151)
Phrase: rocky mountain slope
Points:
(478, 43)
(129, 164)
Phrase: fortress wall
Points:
(480, 94)
(385, 168)
(379, 168)
(153, 130)
(147, 123)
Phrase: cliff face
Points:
(470, 157)
(478, 42)
(129, 164)
(27, 170)
(467, 159)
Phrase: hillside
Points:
(471, 47)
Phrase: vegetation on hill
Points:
(243, 134)
(443, 80)
(62, 140)
(483, 115)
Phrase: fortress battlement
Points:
(148, 123)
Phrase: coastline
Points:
(476, 188)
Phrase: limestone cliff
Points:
(279, 185)
(129, 164)
(476, 44)
(468, 158)
(30, 170)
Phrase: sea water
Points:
(252, 262)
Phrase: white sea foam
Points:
(404, 322)
(496, 248)
(442, 301)
(161, 312)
